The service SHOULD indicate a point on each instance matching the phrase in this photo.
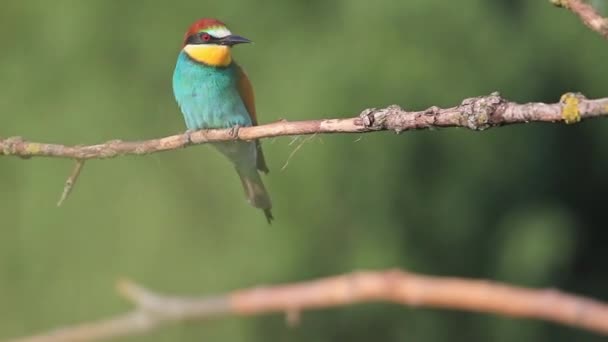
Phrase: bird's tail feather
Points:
(255, 191)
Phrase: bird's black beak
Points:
(234, 39)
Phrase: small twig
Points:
(71, 181)
(295, 150)
(154, 310)
(590, 17)
(478, 113)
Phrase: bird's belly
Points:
(208, 110)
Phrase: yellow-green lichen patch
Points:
(570, 111)
(32, 148)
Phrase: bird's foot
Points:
(234, 131)
(188, 136)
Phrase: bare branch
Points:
(587, 13)
(154, 310)
(477, 113)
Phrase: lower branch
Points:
(154, 310)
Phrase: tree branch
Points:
(155, 310)
(590, 17)
(477, 113)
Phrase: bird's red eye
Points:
(205, 36)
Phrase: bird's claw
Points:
(234, 131)
(188, 135)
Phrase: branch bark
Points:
(154, 310)
(478, 113)
(590, 17)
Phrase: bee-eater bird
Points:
(214, 92)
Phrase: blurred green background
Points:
(522, 204)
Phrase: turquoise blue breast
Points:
(208, 96)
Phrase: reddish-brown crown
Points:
(203, 24)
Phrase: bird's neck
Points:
(212, 55)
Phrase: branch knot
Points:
(477, 112)
(367, 117)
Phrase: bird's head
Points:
(209, 41)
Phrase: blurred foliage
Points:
(522, 204)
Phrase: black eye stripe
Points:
(197, 38)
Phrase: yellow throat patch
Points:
(214, 55)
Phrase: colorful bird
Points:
(214, 92)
